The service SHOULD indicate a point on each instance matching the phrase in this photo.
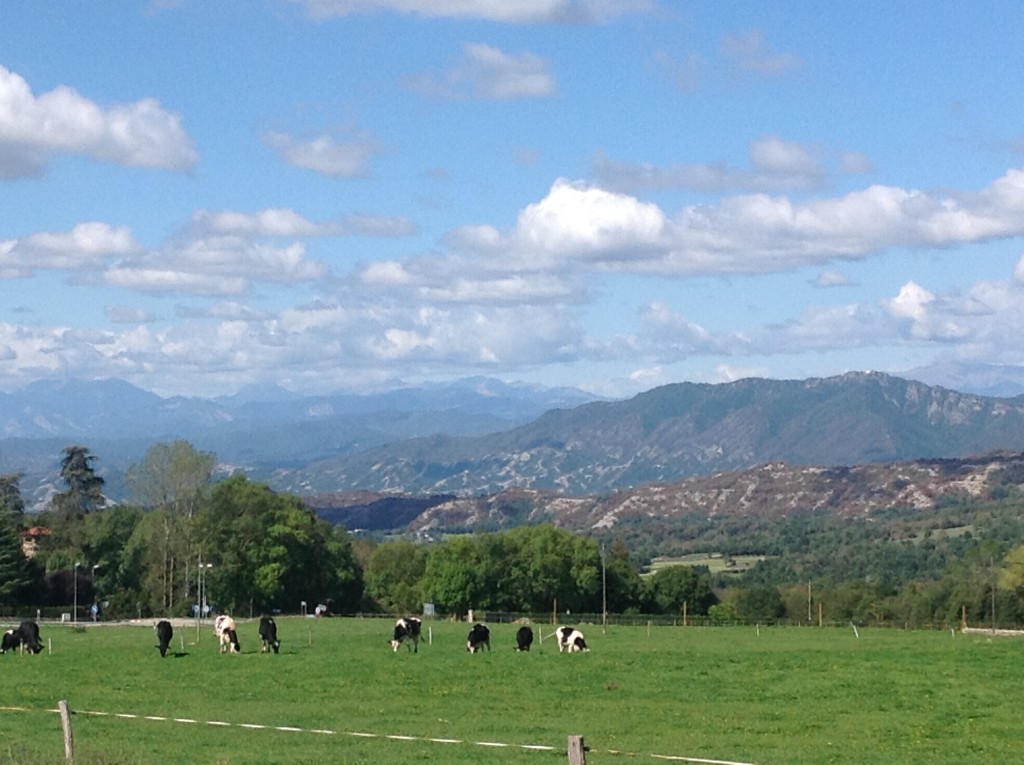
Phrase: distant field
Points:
(771, 696)
(716, 563)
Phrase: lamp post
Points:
(203, 587)
(74, 612)
(95, 610)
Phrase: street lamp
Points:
(95, 610)
(74, 613)
(203, 587)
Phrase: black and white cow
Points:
(10, 641)
(26, 637)
(524, 638)
(407, 628)
(570, 640)
(479, 637)
(164, 633)
(224, 628)
(268, 634)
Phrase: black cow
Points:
(164, 633)
(27, 636)
(479, 637)
(524, 638)
(570, 640)
(407, 629)
(268, 634)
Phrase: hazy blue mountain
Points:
(260, 429)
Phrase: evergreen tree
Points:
(84, 492)
(14, 569)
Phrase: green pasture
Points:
(771, 696)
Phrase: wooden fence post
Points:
(577, 752)
(69, 739)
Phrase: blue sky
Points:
(334, 195)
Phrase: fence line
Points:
(382, 736)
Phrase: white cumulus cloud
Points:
(35, 128)
(325, 155)
(87, 246)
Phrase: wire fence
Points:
(383, 737)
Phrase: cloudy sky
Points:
(198, 195)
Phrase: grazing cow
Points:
(479, 637)
(268, 634)
(10, 641)
(570, 640)
(524, 638)
(164, 633)
(407, 629)
(26, 637)
(224, 628)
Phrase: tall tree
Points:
(84, 493)
(171, 479)
(68, 509)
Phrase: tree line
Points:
(244, 548)
(186, 538)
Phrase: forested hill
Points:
(684, 430)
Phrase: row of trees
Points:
(532, 569)
(251, 549)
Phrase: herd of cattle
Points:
(407, 630)
(227, 635)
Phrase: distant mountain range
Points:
(483, 437)
(259, 430)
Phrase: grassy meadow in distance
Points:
(772, 696)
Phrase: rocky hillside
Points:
(769, 490)
(684, 430)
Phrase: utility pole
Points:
(604, 593)
(74, 614)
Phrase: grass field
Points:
(771, 696)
